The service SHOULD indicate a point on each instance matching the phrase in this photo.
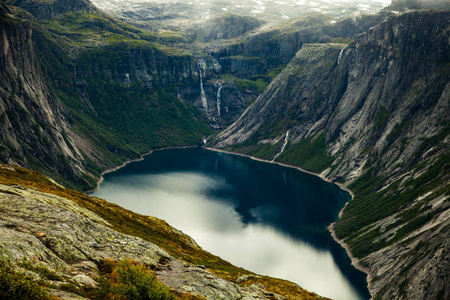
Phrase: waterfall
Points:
(215, 124)
(340, 55)
(219, 89)
(202, 90)
(284, 145)
(211, 120)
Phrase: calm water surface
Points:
(264, 217)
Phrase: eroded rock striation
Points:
(34, 127)
(373, 114)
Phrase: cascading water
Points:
(219, 89)
(201, 66)
(340, 56)
(201, 72)
(284, 145)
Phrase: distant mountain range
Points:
(362, 100)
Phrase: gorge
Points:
(362, 100)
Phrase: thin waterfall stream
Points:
(202, 90)
(219, 89)
(286, 139)
(340, 55)
(202, 73)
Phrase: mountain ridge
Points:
(373, 116)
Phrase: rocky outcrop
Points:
(404, 5)
(378, 112)
(225, 26)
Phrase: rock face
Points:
(34, 127)
(404, 5)
(258, 51)
(378, 112)
(61, 97)
(292, 92)
(52, 232)
(225, 27)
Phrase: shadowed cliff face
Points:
(378, 112)
(34, 127)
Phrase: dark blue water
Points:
(263, 217)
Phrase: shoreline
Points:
(355, 262)
(340, 185)
(126, 162)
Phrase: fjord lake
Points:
(264, 217)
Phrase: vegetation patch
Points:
(16, 285)
(310, 154)
(374, 202)
(256, 84)
(43, 272)
(130, 280)
(266, 151)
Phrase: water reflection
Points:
(263, 217)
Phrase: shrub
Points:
(130, 280)
(17, 285)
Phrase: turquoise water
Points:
(264, 217)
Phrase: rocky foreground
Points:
(43, 231)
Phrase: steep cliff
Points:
(266, 48)
(225, 26)
(82, 92)
(374, 116)
(404, 5)
(34, 127)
